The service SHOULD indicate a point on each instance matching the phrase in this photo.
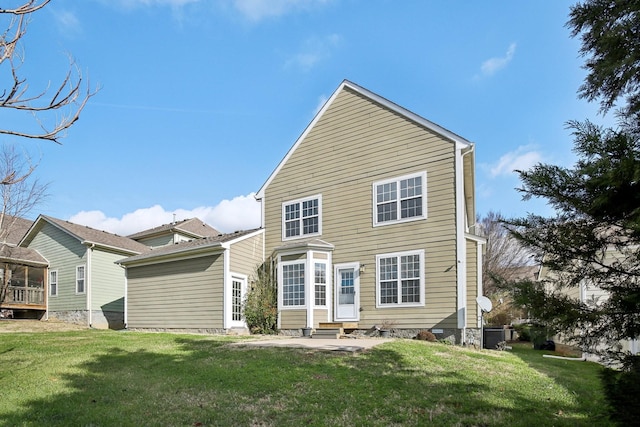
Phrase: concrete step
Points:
(327, 333)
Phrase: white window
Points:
(302, 218)
(293, 284)
(400, 199)
(320, 282)
(400, 279)
(80, 279)
(236, 300)
(53, 283)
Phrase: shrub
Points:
(260, 307)
(621, 389)
(426, 336)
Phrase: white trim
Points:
(327, 290)
(309, 288)
(299, 201)
(400, 304)
(244, 280)
(75, 284)
(226, 284)
(461, 244)
(356, 285)
(398, 199)
(244, 237)
(56, 282)
(281, 265)
(479, 279)
(126, 297)
(458, 140)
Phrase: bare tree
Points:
(20, 192)
(64, 101)
(505, 259)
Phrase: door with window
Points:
(238, 292)
(347, 292)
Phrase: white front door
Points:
(347, 295)
(238, 292)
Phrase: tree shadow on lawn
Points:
(206, 382)
(582, 377)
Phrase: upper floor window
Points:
(400, 199)
(80, 279)
(302, 218)
(400, 279)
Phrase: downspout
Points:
(126, 294)
(461, 250)
(47, 278)
(226, 295)
(87, 278)
(479, 252)
(308, 284)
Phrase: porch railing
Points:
(24, 295)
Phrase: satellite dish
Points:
(484, 303)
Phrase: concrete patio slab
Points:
(351, 345)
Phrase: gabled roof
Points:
(190, 248)
(193, 227)
(304, 245)
(17, 228)
(346, 84)
(86, 236)
(18, 255)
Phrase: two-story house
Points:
(369, 219)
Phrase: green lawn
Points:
(107, 378)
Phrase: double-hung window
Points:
(53, 283)
(320, 283)
(293, 284)
(400, 199)
(400, 279)
(80, 279)
(302, 218)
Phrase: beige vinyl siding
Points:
(107, 281)
(182, 294)
(246, 255)
(156, 241)
(472, 284)
(293, 319)
(355, 144)
(319, 315)
(64, 254)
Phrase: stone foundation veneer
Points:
(453, 336)
(99, 319)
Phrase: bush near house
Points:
(260, 308)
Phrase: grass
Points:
(105, 378)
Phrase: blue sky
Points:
(200, 99)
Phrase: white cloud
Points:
(313, 51)
(257, 10)
(492, 65)
(523, 158)
(67, 22)
(240, 213)
(172, 3)
(321, 101)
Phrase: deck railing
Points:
(24, 295)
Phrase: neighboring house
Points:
(369, 219)
(193, 285)
(85, 286)
(175, 232)
(589, 294)
(22, 272)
